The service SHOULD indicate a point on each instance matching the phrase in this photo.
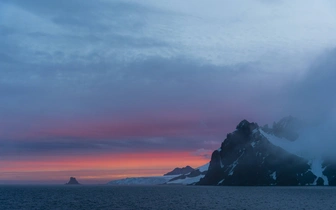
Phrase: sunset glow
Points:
(97, 168)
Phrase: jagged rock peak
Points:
(246, 125)
(180, 171)
(243, 125)
(72, 181)
(244, 130)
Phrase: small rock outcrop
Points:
(72, 181)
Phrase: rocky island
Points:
(73, 181)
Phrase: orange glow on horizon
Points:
(98, 168)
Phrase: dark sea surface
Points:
(166, 197)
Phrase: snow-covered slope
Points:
(154, 180)
(204, 168)
(182, 179)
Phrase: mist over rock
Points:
(255, 156)
(180, 171)
(72, 181)
(286, 128)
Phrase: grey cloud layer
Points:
(96, 31)
(90, 31)
(311, 95)
(69, 60)
(35, 149)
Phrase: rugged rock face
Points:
(180, 171)
(72, 181)
(246, 157)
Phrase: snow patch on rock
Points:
(203, 168)
(187, 180)
(221, 181)
(234, 164)
(274, 175)
(317, 170)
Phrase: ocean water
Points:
(166, 197)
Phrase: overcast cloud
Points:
(185, 72)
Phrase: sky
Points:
(108, 89)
